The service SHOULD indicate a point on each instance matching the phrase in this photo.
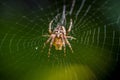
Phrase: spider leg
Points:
(68, 44)
(69, 29)
(64, 46)
(50, 24)
(45, 35)
(71, 37)
(47, 42)
(51, 43)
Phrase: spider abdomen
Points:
(58, 43)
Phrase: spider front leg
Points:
(50, 24)
(69, 29)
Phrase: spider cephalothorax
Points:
(59, 37)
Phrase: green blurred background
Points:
(96, 28)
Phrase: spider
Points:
(59, 37)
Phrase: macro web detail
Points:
(24, 25)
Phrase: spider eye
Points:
(56, 31)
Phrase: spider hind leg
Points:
(51, 43)
(69, 44)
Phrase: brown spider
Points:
(59, 37)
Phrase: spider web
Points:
(96, 48)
